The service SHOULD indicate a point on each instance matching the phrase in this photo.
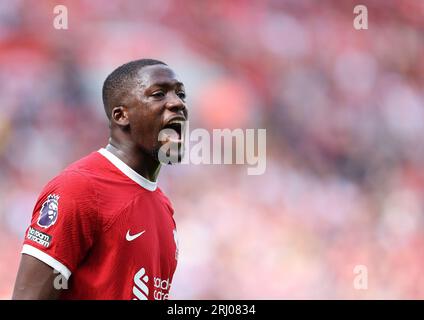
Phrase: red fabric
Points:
(98, 205)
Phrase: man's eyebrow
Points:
(167, 84)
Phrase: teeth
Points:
(180, 122)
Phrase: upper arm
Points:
(35, 280)
(62, 230)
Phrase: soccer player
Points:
(102, 228)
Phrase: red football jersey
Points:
(107, 230)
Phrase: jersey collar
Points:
(130, 173)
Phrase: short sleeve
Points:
(64, 223)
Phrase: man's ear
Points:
(120, 116)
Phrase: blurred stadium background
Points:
(343, 109)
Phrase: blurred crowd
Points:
(343, 109)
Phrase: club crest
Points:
(49, 211)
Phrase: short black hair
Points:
(121, 81)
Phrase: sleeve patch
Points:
(39, 237)
(49, 211)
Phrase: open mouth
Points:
(173, 131)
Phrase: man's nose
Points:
(175, 104)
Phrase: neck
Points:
(141, 162)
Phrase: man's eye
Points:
(158, 94)
(182, 95)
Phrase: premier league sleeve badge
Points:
(49, 211)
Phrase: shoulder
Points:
(72, 182)
(72, 194)
(165, 200)
(90, 164)
(76, 180)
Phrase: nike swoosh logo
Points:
(133, 237)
